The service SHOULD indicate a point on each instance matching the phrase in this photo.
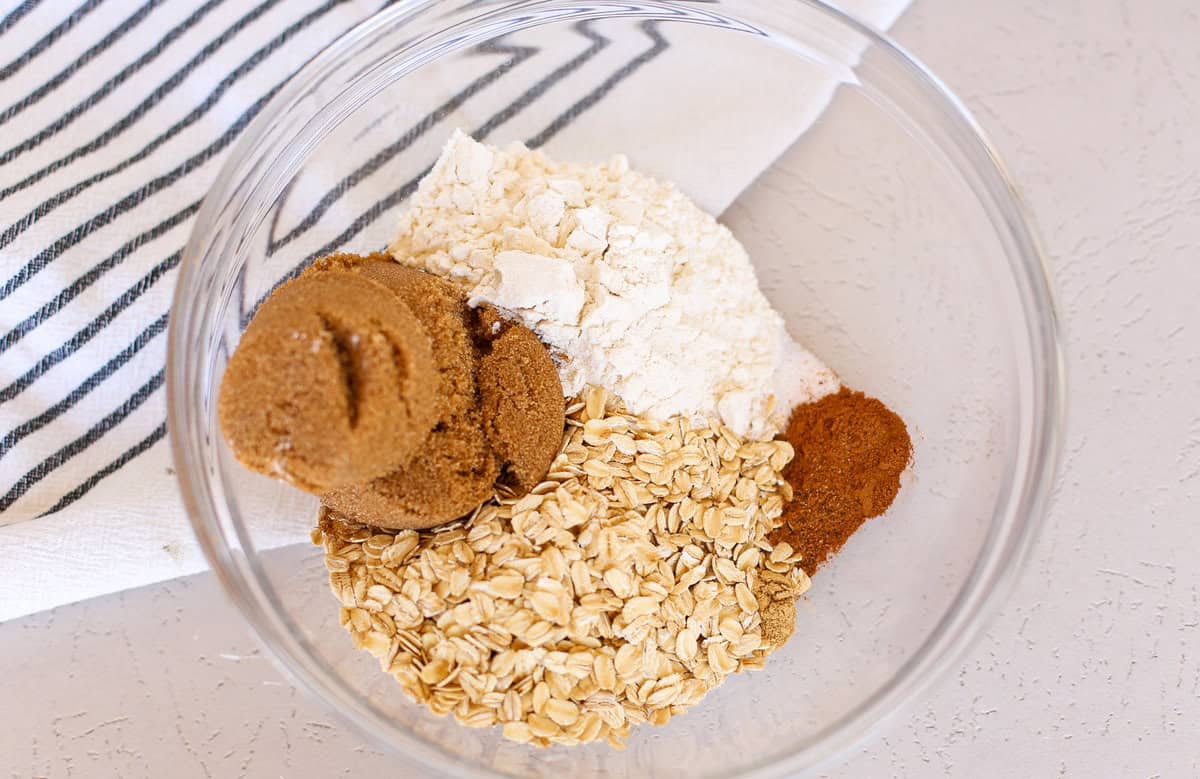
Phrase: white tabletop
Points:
(1093, 668)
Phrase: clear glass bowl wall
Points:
(887, 234)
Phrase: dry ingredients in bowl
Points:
(561, 569)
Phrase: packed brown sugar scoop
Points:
(376, 387)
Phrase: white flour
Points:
(639, 290)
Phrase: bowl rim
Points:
(1003, 554)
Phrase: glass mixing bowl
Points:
(887, 233)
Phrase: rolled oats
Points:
(619, 591)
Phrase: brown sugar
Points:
(366, 365)
(446, 480)
(478, 439)
(522, 402)
(850, 452)
(455, 470)
(440, 308)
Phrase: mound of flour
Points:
(635, 288)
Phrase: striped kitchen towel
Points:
(115, 116)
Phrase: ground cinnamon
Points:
(850, 452)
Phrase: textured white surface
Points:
(1092, 669)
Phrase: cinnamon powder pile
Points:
(850, 452)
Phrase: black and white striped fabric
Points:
(115, 116)
(119, 116)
